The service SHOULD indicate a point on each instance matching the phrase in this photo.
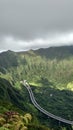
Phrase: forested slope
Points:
(49, 72)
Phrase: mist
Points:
(14, 44)
(35, 24)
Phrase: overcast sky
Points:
(32, 24)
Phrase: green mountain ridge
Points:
(49, 71)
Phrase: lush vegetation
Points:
(12, 120)
(50, 74)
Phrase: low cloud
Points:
(11, 43)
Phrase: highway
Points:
(42, 109)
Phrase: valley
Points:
(50, 74)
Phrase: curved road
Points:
(41, 109)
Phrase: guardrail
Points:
(42, 109)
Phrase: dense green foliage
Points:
(12, 120)
(50, 74)
(8, 59)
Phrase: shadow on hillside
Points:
(56, 52)
(58, 102)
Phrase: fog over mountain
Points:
(35, 24)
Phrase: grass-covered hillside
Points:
(50, 75)
(15, 113)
